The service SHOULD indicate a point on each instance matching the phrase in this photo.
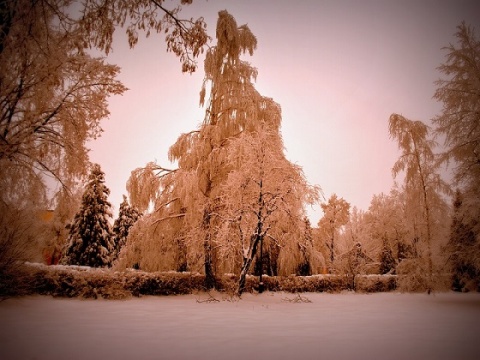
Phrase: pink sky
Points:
(338, 69)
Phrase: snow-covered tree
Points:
(423, 184)
(233, 181)
(312, 261)
(263, 198)
(53, 97)
(187, 194)
(335, 215)
(54, 94)
(99, 19)
(459, 122)
(461, 251)
(353, 261)
(90, 237)
(387, 228)
(127, 217)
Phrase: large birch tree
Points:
(232, 175)
(423, 184)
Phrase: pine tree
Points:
(459, 124)
(461, 251)
(90, 236)
(127, 216)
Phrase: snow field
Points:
(267, 326)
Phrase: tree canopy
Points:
(53, 94)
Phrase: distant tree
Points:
(459, 123)
(90, 236)
(127, 217)
(387, 227)
(335, 215)
(387, 261)
(461, 251)
(423, 184)
(306, 249)
(353, 261)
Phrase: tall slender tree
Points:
(90, 237)
(459, 122)
(461, 250)
(335, 215)
(423, 184)
(127, 217)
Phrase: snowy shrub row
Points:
(74, 281)
(325, 283)
(103, 283)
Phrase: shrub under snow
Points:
(87, 282)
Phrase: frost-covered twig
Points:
(209, 299)
(298, 299)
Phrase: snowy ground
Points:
(267, 326)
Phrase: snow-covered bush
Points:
(87, 282)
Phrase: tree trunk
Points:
(243, 275)
(207, 247)
(247, 261)
(429, 243)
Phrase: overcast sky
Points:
(338, 69)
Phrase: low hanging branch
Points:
(174, 216)
(143, 185)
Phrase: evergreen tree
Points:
(127, 216)
(461, 251)
(459, 124)
(90, 236)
